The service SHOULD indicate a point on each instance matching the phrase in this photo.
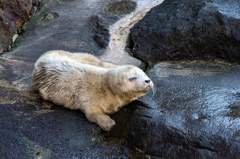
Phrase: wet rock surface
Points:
(121, 7)
(186, 29)
(100, 31)
(65, 25)
(194, 112)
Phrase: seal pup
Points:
(81, 57)
(87, 85)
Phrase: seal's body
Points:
(81, 57)
(81, 81)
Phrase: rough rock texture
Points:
(100, 31)
(186, 29)
(12, 14)
(193, 114)
(121, 7)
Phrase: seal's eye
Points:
(132, 79)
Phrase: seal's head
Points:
(129, 81)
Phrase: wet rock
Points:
(12, 14)
(36, 128)
(39, 129)
(48, 16)
(194, 112)
(36, 2)
(103, 151)
(100, 31)
(121, 7)
(66, 0)
(65, 25)
(185, 29)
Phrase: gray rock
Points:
(194, 112)
(64, 25)
(185, 29)
(121, 7)
(100, 31)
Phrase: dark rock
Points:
(67, 0)
(12, 14)
(36, 2)
(193, 114)
(185, 29)
(100, 31)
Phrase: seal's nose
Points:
(148, 81)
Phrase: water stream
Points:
(119, 32)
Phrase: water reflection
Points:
(191, 97)
(228, 8)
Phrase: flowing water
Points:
(120, 30)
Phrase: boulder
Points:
(185, 29)
(12, 14)
(194, 112)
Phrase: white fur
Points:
(96, 88)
